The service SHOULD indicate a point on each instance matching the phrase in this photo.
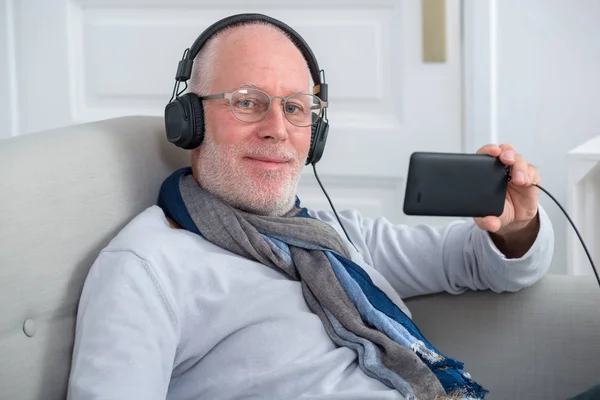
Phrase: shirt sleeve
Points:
(422, 259)
(126, 334)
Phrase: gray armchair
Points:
(65, 193)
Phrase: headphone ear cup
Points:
(184, 121)
(318, 138)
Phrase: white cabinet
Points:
(584, 206)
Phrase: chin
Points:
(273, 195)
(271, 200)
(268, 193)
(265, 206)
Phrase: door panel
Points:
(94, 59)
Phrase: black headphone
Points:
(184, 115)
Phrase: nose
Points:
(274, 125)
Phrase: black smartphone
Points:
(455, 185)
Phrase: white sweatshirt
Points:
(164, 314)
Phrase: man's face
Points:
(254, 166)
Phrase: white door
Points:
(72, 61)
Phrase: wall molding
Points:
(353, 181)
(373, 196)
(233, 3)
(11, 68)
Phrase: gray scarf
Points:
(311, 252)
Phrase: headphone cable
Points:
(574, 227)
(331, 204)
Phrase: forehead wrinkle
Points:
(254, 85)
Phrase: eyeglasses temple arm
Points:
(214, 96)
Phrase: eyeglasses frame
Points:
(229, 95)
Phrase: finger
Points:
(534, 174)
(490, 150)
(489, 223)
(507, 146)
(508, 154)
(519, 172)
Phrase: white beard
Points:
(221, 172)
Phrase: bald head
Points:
(233, 47)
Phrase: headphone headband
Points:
(184, 70)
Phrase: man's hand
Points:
(516, 229)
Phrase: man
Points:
(217, 295)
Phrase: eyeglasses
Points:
(253, 105)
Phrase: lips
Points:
(268, 163)
(274, 160)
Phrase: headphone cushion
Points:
(313, 137)
(196, 113)
(318, 138)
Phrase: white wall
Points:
(534, 80)
(549, 88)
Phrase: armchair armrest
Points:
(542, 342)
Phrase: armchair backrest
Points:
(64, 194)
